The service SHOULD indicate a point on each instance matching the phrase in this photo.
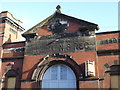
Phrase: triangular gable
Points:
(49, 20)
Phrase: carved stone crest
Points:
(58, 25)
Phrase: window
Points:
(11, 82)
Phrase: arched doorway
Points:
(59, 76)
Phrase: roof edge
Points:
(108, 32)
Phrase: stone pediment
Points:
(60, 23)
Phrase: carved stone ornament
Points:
(58, 25)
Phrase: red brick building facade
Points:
(61, 52)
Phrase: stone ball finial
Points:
(58, 8)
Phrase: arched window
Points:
(59, 76)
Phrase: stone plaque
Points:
(61, 45)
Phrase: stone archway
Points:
(51, 60)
